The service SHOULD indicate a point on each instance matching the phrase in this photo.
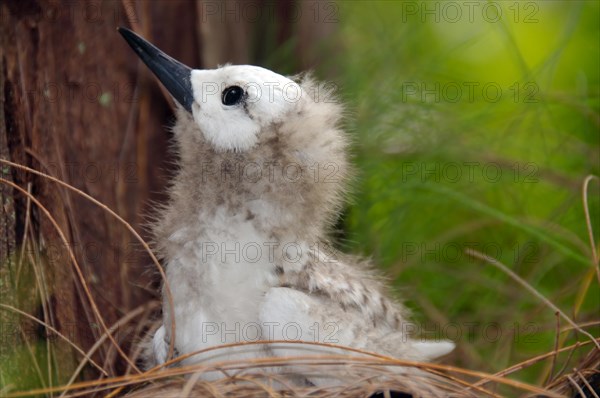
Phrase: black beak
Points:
(174, 75)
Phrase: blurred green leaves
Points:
(476, 124)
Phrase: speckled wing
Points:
(289, 314)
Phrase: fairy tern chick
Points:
(262, 172)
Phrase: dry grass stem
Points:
(532, 290)
(166, 287)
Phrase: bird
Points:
(262, 174)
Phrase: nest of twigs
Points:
(355, 373)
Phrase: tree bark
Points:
(78, 105)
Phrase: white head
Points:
(232, 104)
(244, 133)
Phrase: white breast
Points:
(218, 279)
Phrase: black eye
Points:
(232, 95)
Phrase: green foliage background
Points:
(475, 127)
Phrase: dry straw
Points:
(360, 373)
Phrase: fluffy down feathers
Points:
(244, 234)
